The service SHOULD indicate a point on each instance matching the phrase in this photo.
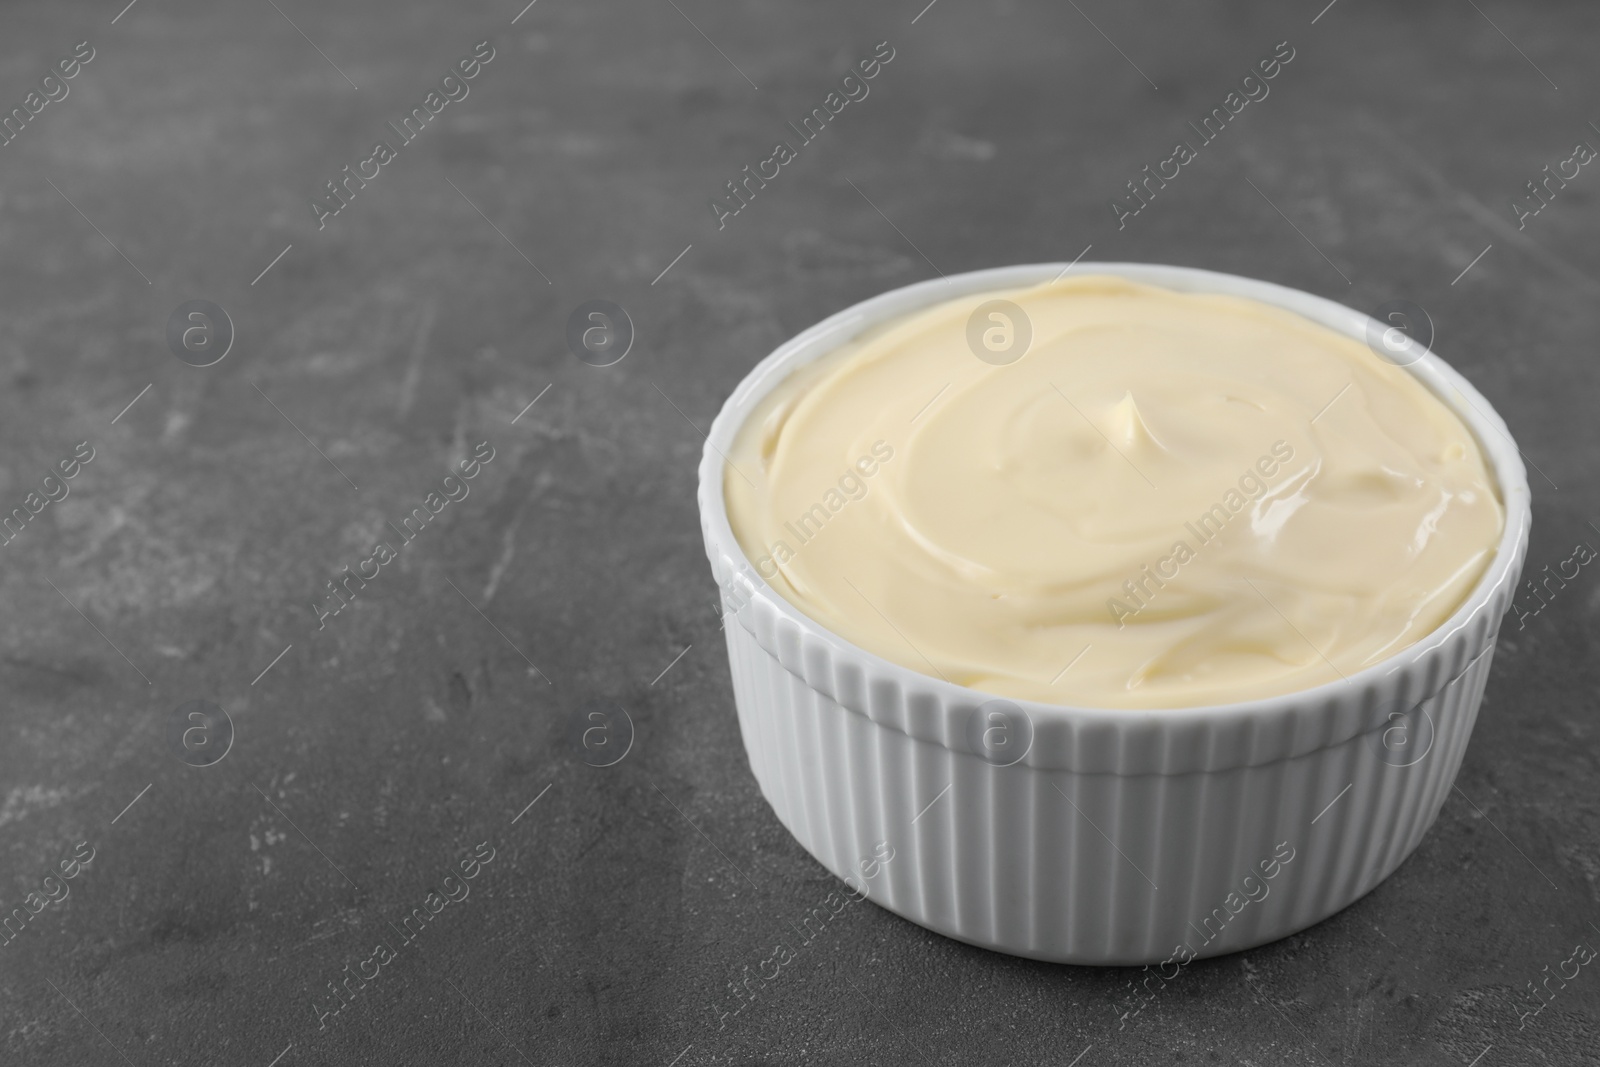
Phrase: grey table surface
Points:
(373, 751)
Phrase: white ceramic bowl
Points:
(1122, 836)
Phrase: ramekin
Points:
(1122, 836)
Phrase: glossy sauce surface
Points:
(1165, 500)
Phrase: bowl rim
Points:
(1443, 381)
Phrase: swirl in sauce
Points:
(1171, 499)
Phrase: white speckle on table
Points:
(24, 800)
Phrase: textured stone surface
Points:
(380, 750)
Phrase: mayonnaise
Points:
(1165, 500)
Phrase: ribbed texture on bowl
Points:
(1121, 834)
(1065, 865)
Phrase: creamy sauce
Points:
(1166, 500)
